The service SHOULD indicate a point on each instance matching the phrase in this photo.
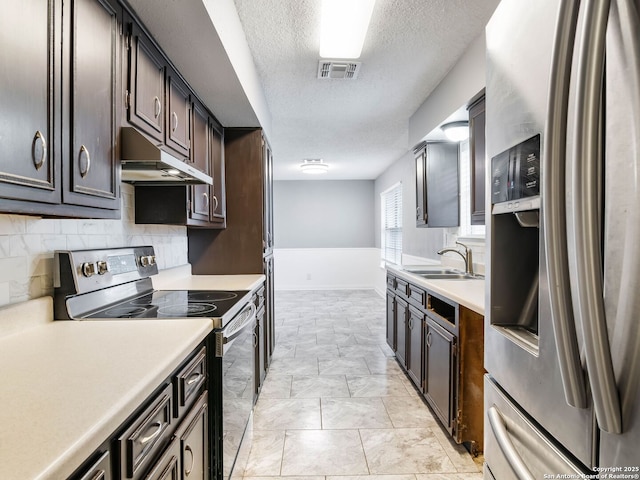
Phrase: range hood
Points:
(145, 162)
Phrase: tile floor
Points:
(336, 405)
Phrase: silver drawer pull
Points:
(148, 438)
(84, 160)
(187, 471)
(174, 121)
(157, 107)
(39, 155)
(193, 378)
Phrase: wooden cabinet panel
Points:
(402, 316)
(437, 185)
(478, 160)
(200, 194)
(218, 190)
(178, 117)
(168, 466)
(146, 85)
(442, 185)
(93, 63)
(391, 320)
(29, 92)
(268, 198)
(194, 442)
(261, 345)
(439, 367)
(421, 186)
(415, 338)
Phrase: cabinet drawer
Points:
(417, 295)
(390, 282)
(402, 287)
(188, 381)
(100, 470)
(146, 436)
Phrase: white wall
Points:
(328, 269)
(27, 245)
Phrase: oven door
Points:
(235, 352)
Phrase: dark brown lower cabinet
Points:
(440, 344)
(439, 367)
(402, 313)
(261, 344)
(168, 465)
(194, 442)
(415, 337)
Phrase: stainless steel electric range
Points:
(115, 284)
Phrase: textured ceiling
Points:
(359, 127)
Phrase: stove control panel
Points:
(82, 271)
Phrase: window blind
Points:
(391, 235)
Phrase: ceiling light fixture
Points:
(314, 166)
(344, 25)
(456, 131)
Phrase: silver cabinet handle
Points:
(554, 207)
(174, 121)
(157, 107)
(193, 378)
(39, 154)
(586, 282)
(429, 339)
(206, 200)
(84, 161)
(509, 451)
(215, 203)
(187, 471)
(255, 340)
(156, 432)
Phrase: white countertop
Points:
(68, 385)
(180, 278)
(469, 293)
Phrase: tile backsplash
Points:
(27, 245)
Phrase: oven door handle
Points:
(236, 326)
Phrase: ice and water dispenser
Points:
(515, 240)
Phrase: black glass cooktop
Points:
(174, 304)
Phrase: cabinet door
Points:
(178, 117)
(440, 363)
(391, 320)
(402, 314)
(200, 204)
(146, 85)
(194, 443)
(443, 185)
(269, 307)
(30, 30)
(268, 198)
(216, 152)
(421, 188)
(168, 465)
(415, 346)
(93, 63)
(478, 160)
(261, 343)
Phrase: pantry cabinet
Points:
(59, 95)
(478, 159)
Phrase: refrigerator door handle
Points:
(554, 207)
(502, 436)
(587, 285)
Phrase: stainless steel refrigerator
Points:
(562, 341)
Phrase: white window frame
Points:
(391, 224)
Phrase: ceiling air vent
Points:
(338, 69)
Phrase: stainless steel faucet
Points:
(467, 256)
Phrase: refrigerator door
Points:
(622, 227)
(525, 363)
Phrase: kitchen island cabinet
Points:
(439, 343)
(60, 157)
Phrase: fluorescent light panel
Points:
(344, 25)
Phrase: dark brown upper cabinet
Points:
(93, 61)
(200, 202)
(218, 189)
(59, 97)
(146, 84)
(178, 116)
(437, 184)
(478, 159)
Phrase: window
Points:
(391, 235)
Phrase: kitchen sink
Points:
(435, 270)
(450, 275)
